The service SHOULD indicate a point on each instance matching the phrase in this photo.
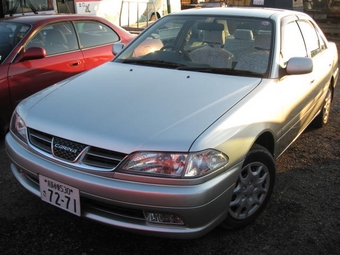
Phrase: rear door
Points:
(96, 40)
(63, 60)
(322, 62)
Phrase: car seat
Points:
(212, 52)
(55, 41)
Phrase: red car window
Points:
(10, 35)
(96, 41)
(56, 38)
(95, 33)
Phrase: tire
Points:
(322, 118)
(252, 190)
(3, 128)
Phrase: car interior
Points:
(211, 42)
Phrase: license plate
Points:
(59, 194)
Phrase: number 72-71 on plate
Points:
(59, 194)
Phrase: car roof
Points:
(240, 11)
(46, 18)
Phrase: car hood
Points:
(128, 108)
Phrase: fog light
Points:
(162, 218)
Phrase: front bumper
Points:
(121, 203)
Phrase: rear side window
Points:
(314, 42)
(92, 33)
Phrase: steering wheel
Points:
(177, 49)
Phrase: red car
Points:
(39, 50)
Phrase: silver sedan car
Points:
(180, 132)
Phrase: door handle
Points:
(76, 63)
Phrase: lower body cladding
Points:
(171, 211)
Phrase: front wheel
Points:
(253, 188)
(3, 128)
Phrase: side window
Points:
(56, 38)
(313, 41)
(292, 43)
(322, 43)
(6, 44)
(92, 33)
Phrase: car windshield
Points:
(11, 35)
(215, 44)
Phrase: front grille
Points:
(41, 140)
(70, 151)
(102, 158)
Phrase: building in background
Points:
(116, 10)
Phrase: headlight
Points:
(18, 127)
(204, 162)
(168, 164)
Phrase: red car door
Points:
(63, 60)
(96, 40)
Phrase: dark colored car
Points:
(39, 50)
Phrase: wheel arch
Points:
(266, 140)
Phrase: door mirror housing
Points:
(299, 65)
(117, 48)
(31, 53)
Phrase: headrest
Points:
(262, 41)
(213, 37)
(210, 26)
(89, 27)
(225, 27)
(55, 36)
(5, 33)
(243, 34)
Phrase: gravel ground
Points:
(302, 216)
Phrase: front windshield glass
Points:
(11, 34)
(229, 45)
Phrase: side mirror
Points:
(117, 48)
(31, 53)
(299, 65)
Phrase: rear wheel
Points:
(253, 188)
(322, 118)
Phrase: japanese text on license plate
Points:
(59, 194)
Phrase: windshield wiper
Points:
(204, 69)
(158, 63)
(221, 71)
